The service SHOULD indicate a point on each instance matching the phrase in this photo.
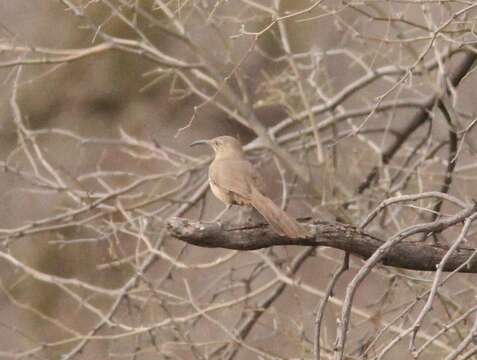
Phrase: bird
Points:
(234, 181)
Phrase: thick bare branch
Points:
(406, 255)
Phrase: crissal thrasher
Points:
(233, 180)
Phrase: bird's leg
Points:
(245, 213)
(217, 218)
(222, 213)
(240, 217)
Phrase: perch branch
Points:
(407, 255)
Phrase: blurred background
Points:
(339, 104)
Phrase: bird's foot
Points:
(219, 223)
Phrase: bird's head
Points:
(225, 147)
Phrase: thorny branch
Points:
(96, 191)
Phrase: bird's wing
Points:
(236, 176)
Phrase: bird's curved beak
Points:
(199, 142)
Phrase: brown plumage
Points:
(233, 180)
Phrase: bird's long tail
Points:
(279, 220)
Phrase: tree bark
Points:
(406, 255)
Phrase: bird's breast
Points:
(221, 194)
